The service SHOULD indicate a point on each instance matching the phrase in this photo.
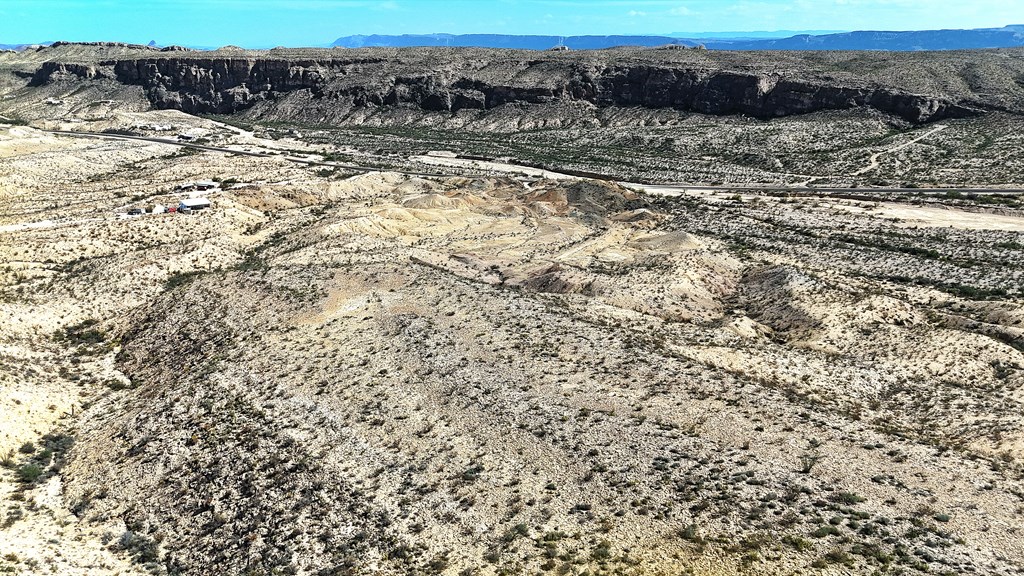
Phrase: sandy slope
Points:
(387, 374)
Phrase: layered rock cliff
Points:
(226, 84)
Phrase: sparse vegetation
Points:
(485, 373)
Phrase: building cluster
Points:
(189, 205)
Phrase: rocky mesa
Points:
(479, 80)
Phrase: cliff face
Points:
(217, 86)
(761, 96)
(51, 71)
(225, 85)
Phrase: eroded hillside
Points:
(839, 119)
(326, 374)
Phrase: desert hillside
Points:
(834, 119)
(493, 372)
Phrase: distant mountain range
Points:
(750, 34)
(504, 41)
(20, 47)
(1007, 37)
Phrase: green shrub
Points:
(602, 552)
(29, 473)
(517, 531)
(554, 536)
(839, 557)
(472, 473)
(797, 542)
(847, 498)
(115, 384)
(142, 548)
(823, 531)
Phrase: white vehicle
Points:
(190, 205)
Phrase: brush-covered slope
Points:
(384, 374)
(472, 374)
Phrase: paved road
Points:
(804, 190)
(856, 193)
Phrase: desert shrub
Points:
(602, 552)
(554, 536)
(807, 462)
(181, 279)
(797, 542)
(115, 384)
(492, 556)
(142, 548)
(472, 473)
(823, 531)
(29, 473)
(438, 563)
(690, 534)
(847, 498)
(839, 557)
(517, 531)
(83, 333)
(55, 446)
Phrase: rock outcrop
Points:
(51, 71)
(218, 85)
(226, 84)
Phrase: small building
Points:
(205, 185)
(193, 204)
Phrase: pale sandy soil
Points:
(37, 398)
(51, 540)
(490, 166)
(936, 217)
(374, 337)
(900, 214)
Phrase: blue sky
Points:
(264, 23)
